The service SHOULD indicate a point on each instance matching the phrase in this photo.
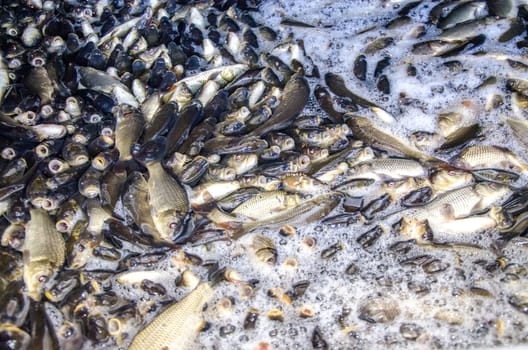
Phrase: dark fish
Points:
(293, 100)
(189, 117)
(324, 99)
(337, 85)
(461, 136)
(162, 121)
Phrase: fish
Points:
(189, 116)
(480, 156)
(293, 100)
(4, 79)
(520, 129)
(221, 75)
(43, 252)
(39, 82)
(129, 127)
(303, 184)
(176, 326)
(169, 204)
(135, 200)
(386, 169)
(465, 201)
(463, 12)
(365, 130)
(288, 210)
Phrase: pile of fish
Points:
(183, 174)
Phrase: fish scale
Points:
(42, 239)
(393, 168)
(165, 192)
(172, 329)
(129, 127)
(43, 252)
(488, 156)
(463, 202)
(304, 212)
(265, 204)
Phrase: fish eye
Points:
(452, 172)
(174, 225)
(47, 204)
(43, 278)
(62, 226)
(88, 12)
(390, 184)
(68, 332)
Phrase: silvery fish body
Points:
(177, 325)
(43, 252)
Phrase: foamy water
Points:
(465, 304)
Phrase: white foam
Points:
(484, 321)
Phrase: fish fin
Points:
(428, 234)
(230, 225)
(234, 229)
(460, 137)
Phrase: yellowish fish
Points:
(177, 326)
(43, 252)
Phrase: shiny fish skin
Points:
(292, 103)
(135, 201)
(44, 250)
(129, 127)
(478, 157)
(385, 169)
(175, 326)
(168, 201)
(364, 129)
(156, 143)
(463, 202)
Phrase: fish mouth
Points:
(184, 230)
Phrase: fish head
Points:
(359, 169)
(491, 192)
(414, 229)
(395, 189)
(36, 274)
(173, 225)
(446, 179)
(169, 222)
(501, 217)
(80, 254)
(424, 140)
